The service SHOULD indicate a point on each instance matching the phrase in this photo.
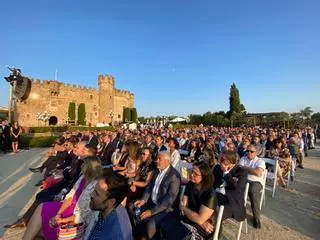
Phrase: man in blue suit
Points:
(160, 198)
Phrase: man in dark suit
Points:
(5, 135)
(159, 147)
(160, 198)
(111, 143)
(230, 182)
(93, 140)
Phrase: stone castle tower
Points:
(103, 105)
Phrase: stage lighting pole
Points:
(10, 108)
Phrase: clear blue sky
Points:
(177, 57)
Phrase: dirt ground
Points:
(293, 213)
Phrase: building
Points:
(103, 105)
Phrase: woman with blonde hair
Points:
(73, 211)
(133, 161)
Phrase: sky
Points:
(177, 57)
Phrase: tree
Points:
(195, 119)
(234, 100)
(306, 113)
(72, 111)
(316, 118)
(126, 115)
(134, 115)
(82, 114)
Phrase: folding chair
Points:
(263, 191)
(218, 224)
(272, 175)
(246, 191)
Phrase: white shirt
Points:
(254, 163)
(157, 185)
(174, 158)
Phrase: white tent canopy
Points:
(178, 119)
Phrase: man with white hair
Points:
(160, 198)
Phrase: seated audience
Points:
(159, 147)
(229, 182)
(284, 161)
(160, 197)
(197, 208)
(75, 209)
(145, 173)
(174, 152)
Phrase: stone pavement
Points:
(17, 183)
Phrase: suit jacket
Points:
(156, 151)
(93, 142)
(167, 198)
(108, 151)
(6, 131)
(236, 181)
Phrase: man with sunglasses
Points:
(255, 167)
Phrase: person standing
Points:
(5, 136)
(15, 136)
(255, 167)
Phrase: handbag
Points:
(50, 181)
(71, 231)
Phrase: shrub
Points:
(65, 128)
(82, 114)
(134, 115)
(72, 111)
(32, 142)
(126, 115)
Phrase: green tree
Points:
(306, 113)
(72, 111)
(126, 115)
(82, 114)
(134, 115)
(234, 100)
(195, 119)
(316, 118)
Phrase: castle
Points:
(102, 105)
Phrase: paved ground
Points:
(17, 183)
(292, 214)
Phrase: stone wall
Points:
(54, 97)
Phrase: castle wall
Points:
(54, 97)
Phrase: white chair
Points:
(246, 191)
(263, 191)
(218, 224)
(272, 175)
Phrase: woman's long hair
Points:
(92, 168)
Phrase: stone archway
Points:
(53, 120)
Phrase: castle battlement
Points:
(106, 79)
(124, 93)
(63, 86)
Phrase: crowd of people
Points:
(156, 183)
